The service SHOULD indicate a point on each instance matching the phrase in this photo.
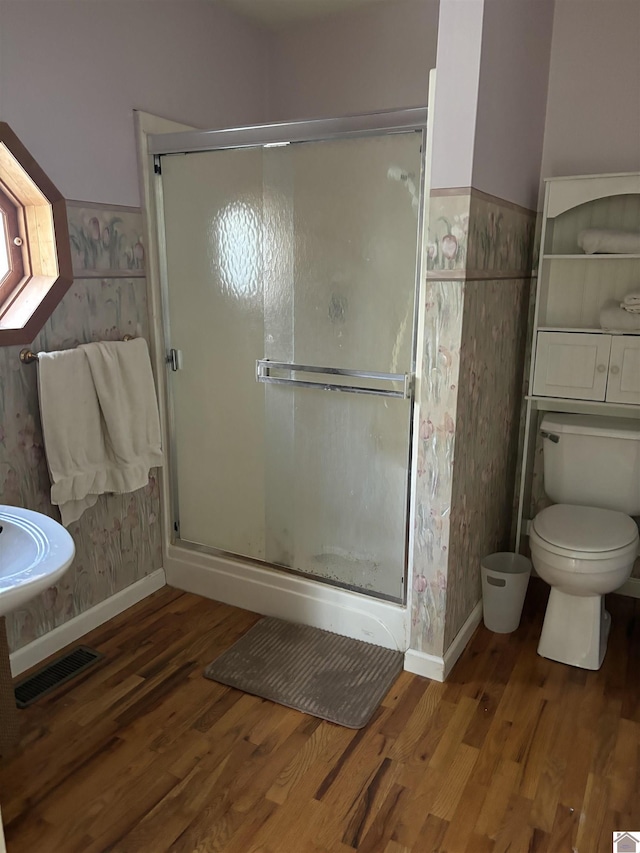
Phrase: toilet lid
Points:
(585, 528)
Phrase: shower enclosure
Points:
(290, 259)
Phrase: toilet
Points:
(585, 545)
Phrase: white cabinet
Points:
(623, 384)
(580, 366)
(571, 365)
(576, 364)
(573, 358)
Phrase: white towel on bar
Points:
(100, 422)
(72, 430)
(123, 380)
(607, 241)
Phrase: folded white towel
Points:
(100, 422)
(613, 318)
(72, 431)
(611, 242)
(631, 299)
(123, 380)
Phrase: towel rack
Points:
(28, 357)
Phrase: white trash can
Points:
(505, 577)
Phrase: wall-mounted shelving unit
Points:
(576, 365)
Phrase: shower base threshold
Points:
(277, 591)
(336, 562)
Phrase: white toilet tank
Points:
(595, 461)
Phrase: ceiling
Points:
(277, 13)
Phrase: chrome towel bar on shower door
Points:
(264, 366)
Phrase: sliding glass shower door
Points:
(291, 280)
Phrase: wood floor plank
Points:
(502, 785)
(408, 739)
(516, 832)
(456, 779)
(310, 764)
(463, 819)
(416, 809)
(142, 754)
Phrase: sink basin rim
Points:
(49, 550)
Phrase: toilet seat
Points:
(584, 533)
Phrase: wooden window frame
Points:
(41, 270)
(16, 273)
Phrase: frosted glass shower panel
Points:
(213, 211)
(355, 223)
(350, 489)
(304, 254)
(341, 514)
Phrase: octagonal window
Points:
(35, 256)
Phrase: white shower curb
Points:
(288, 596)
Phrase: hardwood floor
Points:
(142, 754)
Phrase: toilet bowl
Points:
(582, 553)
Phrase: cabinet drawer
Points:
(571, 365)
(624, 370)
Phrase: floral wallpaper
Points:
(468, 394)
(480, 235)
(437, 396)
(487, 433)
(448, 236)
(106, 239)
(118, 540)
(500, 239)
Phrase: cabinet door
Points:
(571, 365)
(623, 385)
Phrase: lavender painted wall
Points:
(91, 63)
(512, 97)
(454, 110)
(371, 58)
(493, 60)
(593, 107)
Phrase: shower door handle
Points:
(265, 366)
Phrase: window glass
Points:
(4, 247)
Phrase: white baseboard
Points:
(420, 663)
(50, 643)
(438, 668)
(462, 638)
(287, 596)
(630, 588)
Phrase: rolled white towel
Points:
(615, 319)
(630, 309)
(606, 241)
(632, 299)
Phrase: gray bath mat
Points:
(323, 674)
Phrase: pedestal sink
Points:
(34, 552)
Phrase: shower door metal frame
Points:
(413, 119)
